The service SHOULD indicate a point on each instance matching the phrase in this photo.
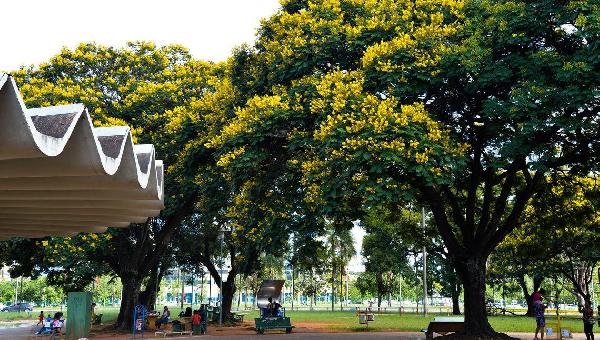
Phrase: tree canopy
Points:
(342, 108)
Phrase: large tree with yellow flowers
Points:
(141, 86)
(463, 105)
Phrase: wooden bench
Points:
(444, 325)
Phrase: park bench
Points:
(175, 329)
(365, 316)
(239, 317)
(164, 334)
(444, 325)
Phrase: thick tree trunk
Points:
(148, 296)
(228, 293)
(131, 293)
(472, 273)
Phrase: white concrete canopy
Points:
(59, 175)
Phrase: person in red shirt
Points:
(538, 295)
(196, 318)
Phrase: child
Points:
(56, 323)
(40, 319)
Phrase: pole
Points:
(16, 290)
(400, 292)
(182, 286)
(341, 286)
(155, 290)
(202, 288)
(347, 279)
(424, 264)
(192, 299)
(239, 289)
(221, 282)
(293, 287)
(333, 287)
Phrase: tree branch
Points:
(434, 199)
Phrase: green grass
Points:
(348, 321)
(10, 316)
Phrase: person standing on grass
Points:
(588, 320)
(540, 319)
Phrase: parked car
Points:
(18, 307)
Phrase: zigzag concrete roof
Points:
(60, 175)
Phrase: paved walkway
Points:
(26, 331)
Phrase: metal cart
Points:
(268, 318)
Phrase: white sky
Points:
(35, 30)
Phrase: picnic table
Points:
(444, 325)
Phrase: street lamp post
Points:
(424, 264)
(222, 237)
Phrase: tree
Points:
(571, 219)
(340, 248)
(140, 86)
(557, 237)
(464, 105)
(521, 255)
(386, 247)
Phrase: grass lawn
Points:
(348, 321)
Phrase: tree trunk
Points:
(333, 288)
(227, 295)
(148, 296)
(472, 273)
(380, 289)
(130, 298)
(455, 302)
(455, 288)
(537, 282)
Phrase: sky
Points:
(35, 30)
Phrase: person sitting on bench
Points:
(187, 313)
(164, 318)
(57, 323)
(273, 307)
